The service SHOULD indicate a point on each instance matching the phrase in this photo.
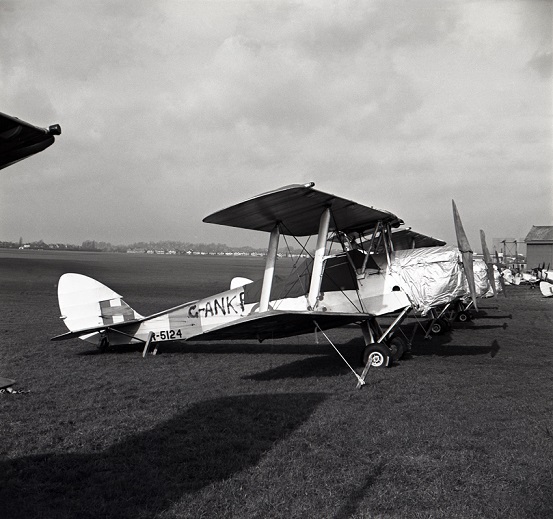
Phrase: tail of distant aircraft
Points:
(87, 306)
(546, 289)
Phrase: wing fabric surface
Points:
(408, 239)
(298, 209)
(19, 139)
(130, 325)
(278, 324)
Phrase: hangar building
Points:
(539, 246)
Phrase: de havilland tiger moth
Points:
(370, 275)
(19, 140)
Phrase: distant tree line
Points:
(178, 247)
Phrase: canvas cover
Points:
(482, 285)
(429, 276)
(497, 278)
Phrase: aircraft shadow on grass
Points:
(235, 347)
(148, 472)
(322, 366)
(484, 313)
(325, 364)
(439, 346)
(319, 360)
(487, 316)
(349, 508)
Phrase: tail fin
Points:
(85, 304)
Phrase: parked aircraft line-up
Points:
(364, 266)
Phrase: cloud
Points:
(173, 110)
(542, 63)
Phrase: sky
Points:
(171, 110)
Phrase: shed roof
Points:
(540, 233)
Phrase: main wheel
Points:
(397, 347)
(439, 327)
(381, 356)
(463, 316)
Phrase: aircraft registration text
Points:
(167, 335)
(224, 305)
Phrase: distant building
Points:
(509, 247)
(539, 246)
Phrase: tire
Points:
(382, 356)
(397, 347)
(439, 327)
(463, 317)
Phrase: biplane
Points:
(19, 139)
(346, 280)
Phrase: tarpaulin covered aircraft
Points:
(19, 139)
(353, 284)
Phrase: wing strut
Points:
(316, 276)
(360, 381)
(269, 269)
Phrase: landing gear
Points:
(103, 346)
(384, 347)
(464, 316)
(379, 353)
(385, 354)
(398, 346)
(439, 326)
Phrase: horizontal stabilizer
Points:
(6, 382)
(87, 331)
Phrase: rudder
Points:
(86, 303)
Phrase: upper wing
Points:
(404, 239)
(19, 139)
(408, 239)
(297, 208)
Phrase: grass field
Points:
(463, 429)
